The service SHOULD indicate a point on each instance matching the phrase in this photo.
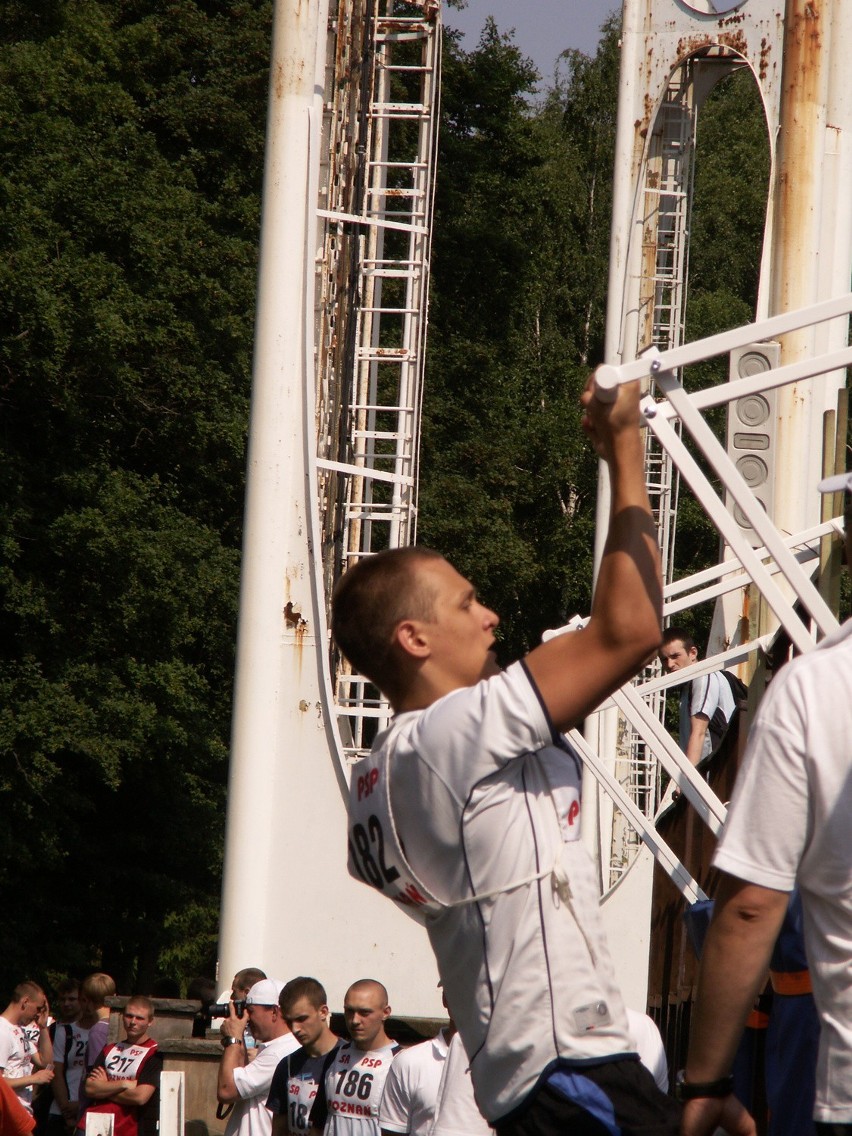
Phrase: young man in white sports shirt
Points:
(466, 813)
(422, 1082)
(24, 1063)
(70, 1045)
(348, 1103)
(700, 700)
(296, 1081)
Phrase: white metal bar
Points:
(715, 453)
(730, 530)
(809, 555)
(653, 361)
(805, 540)
(668, 861)
(765, 380)
(364, 471)
(671, 756)
(356, 219)
(704, 666)
(171, 1103)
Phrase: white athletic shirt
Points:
(74, 1061)
(250, 1116)
(353, 1090)
(702, 696)
(411, 1088)
(486, 807)
(456, 1112)
(16, 1059)
(790, 822)
(649, 1045)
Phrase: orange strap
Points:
(791, 982)
(757, 1020)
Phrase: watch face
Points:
(713, 7)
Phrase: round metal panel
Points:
(713, 7)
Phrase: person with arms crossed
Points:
(788, 825)
(246, 1083)
(304, 1006)
(23, 1063)
(125, 1080)
(466, 812)
(348, 1102)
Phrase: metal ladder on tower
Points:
(665, 229)
(380, 197)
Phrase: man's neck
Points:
(324, 1044)
(381, 1042)
(85, 1021)
(11, 1015)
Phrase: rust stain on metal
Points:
(763, 58)
(804, 64)
(735, 41)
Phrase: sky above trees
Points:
(542, 29)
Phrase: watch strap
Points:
(691, 1090)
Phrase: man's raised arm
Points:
(576, 671)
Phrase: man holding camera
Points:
(245, 1085)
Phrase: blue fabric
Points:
(789, 953)
(578, 1089)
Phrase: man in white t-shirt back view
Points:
(348, 1103)
(246, 1084)
(23, 1064)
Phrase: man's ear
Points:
(411, 637)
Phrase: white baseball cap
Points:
(264, 993)
(839, 483)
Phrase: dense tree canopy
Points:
(129, 201)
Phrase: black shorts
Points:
(618, 1098)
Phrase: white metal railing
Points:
(791, 557)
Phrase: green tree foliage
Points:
(130, 167)
(508, 479)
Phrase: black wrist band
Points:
(691, 1090)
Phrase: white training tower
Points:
(332, 475)
(786, 415)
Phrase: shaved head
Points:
(367, 988)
